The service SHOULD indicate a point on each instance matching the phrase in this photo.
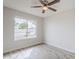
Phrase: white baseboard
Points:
(59, 48)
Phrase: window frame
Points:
(28, 37)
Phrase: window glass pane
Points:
(21, 26)
(31, 29)
(24, 29)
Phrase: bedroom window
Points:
(24, 29)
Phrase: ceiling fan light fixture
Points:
(45, 8)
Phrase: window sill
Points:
(25, 38)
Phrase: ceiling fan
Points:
(46, 5)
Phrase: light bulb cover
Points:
(45, 8)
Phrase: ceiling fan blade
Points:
(52, 9)
(53, 2)
(45, 0)
(36, 6)
(42, 2)
(43, 11)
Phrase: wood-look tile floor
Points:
(40, 52)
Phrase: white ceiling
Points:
(25, 6)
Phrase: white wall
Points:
(59, 30)
(9, 43)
